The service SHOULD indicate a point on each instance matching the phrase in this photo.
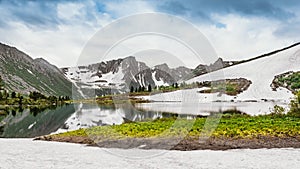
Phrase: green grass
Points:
(231, 126)
(118, 99)
(229, 88)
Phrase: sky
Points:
(58, 30)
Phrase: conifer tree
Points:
(149, 88)
(131, 89)
(1, 84)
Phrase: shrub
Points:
(278, 110)
(295, 106)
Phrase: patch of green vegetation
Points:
(290, 80)
(119, 99)
(232, 126)
(251, 127)
(79, 133)
(227, 88)
(231, 88)
(33, 99)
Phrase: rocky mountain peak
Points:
(44, 65)
(163, 67)
(8, 53)
(130, 58)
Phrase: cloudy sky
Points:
(58, 30)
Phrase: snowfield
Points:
(88, 77)
(27, 154)
(261, 72)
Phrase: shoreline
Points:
(234, 131)
(185, 144)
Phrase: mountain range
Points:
(123, 74)
(127, 71)
(23, 74)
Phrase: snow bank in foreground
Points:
(24, 153)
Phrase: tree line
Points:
(150, 89)
(140, 89)
(15, 97)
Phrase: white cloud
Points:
(60, 46)
(244, 37)
(134, 34)
(63, 44)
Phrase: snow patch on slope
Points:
(92, 80)
(29, 71)
(116, 78)
(159, 82)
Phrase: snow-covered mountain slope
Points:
(260, 71)
(90, 78)
(124, 73)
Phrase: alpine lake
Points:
(18, 122)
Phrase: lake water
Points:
(30, 123)
(26, 123)
(251, 108)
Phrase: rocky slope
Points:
(219, 64)
(23, 74)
